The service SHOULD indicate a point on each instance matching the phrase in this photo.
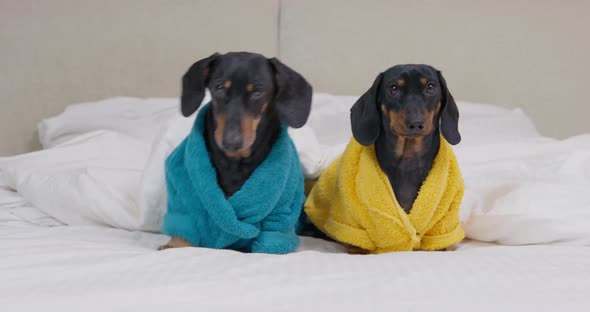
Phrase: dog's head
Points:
(245, 87)
(408, 101)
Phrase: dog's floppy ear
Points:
(194, 82)
(292, 95)
(449, 116)
(364, 116)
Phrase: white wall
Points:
(531, 54)
(57, 52)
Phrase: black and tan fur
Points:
(403, 114)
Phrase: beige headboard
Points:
(530, 54)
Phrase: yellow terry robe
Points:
(354, 203)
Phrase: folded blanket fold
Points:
(260, 217)
(353, 202)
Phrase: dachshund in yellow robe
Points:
(397, 186)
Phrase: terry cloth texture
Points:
(260, 217)
(354, 203)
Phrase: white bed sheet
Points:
(85, 268)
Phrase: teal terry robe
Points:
(260, 217)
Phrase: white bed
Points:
(101, 174)
(97, 269)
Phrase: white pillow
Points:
(135, 117)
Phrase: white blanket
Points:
(93, 179)
(82, 268)
(106, 167)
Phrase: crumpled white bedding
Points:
(104, 166)
(90, 179)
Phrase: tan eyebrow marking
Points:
(423, 80)
(227, 84)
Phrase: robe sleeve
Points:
(448, 230)
(277, 235)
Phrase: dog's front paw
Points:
(354, 250)
(175, 242)
(164, 247)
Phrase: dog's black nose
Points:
(416, 125)
(232, 143)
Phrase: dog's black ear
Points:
(449, 116)
(364, 115)
(292, 95)
(194, 83)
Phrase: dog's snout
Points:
(232, 142)
(415, 125)
(232, 139)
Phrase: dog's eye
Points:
(256, 94)
(431, 88)
(219, 87)
(394, 90)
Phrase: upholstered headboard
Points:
(528, 54)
